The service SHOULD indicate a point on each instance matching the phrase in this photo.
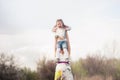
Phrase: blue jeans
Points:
(62, 44)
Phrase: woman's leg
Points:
(58, 53)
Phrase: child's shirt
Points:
(60, 32)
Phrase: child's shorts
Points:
(62, 44)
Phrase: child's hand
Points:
(54, 29)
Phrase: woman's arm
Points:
(55, 46)
(68, 43)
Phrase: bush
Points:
(46, 69)
(78, 69)
(9, 69)
(98, 65)
(30, 75)
(117, 72)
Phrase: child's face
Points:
(59, 24)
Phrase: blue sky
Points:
(25, 27)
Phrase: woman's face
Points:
(59, 24)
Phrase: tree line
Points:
(93, 67)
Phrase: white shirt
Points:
(60, 32)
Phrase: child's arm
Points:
(69, 48)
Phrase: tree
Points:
(9, 69)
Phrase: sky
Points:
(25, 28)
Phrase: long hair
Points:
(62, 23)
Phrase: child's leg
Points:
(64, 45)
(65, 53)
(58, 49)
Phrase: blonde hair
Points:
(62, 23)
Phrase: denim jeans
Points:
(62, 44)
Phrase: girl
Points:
(62, 44)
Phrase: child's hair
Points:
(62, 23)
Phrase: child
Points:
(62, 44)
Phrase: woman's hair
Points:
(61, 21)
